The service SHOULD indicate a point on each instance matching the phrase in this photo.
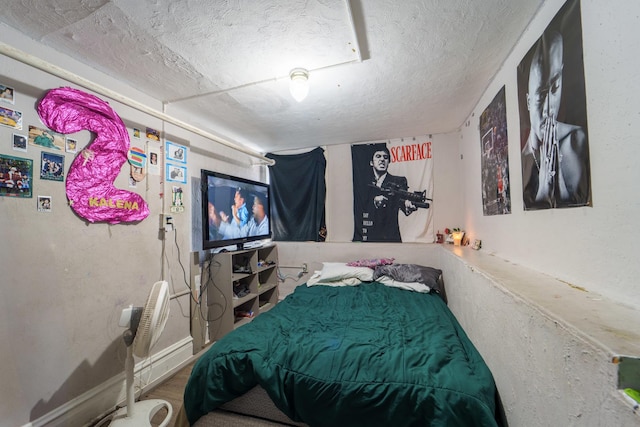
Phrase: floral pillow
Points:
(371, 263)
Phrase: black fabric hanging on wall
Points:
(298, 192)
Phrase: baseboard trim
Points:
(90, 407)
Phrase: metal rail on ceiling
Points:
(53, 69)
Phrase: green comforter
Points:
(367, 355)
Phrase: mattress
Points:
(362, 355)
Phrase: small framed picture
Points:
(176, 173)
(52, 166)
(46, 138)
(44, 203)
(7, 94)
(176, 152)
(153, 134)
(177, 202)
(176, 197)
(19, 142)
(154, 154)
(477, 244)
(10, 118)
(136, 133)
(70, 145)
(15, 176)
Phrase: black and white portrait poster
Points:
(553, 116)
(496, 192)
(392, 187)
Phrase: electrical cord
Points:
(283, 277)
(206, 280)
(184, 272)
(204, 289)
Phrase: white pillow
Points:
(409, 286)
(336, 271)
(346, 282)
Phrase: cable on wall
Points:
(52, 69)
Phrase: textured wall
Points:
(583, 246)
(547, 370)
(65, 282)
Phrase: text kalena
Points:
(110, 203)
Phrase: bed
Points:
(355, 346)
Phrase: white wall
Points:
(551, 357)
(65, 281)
(592, 247)
(552, 367)
(61, 275)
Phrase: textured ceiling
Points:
(380, 69)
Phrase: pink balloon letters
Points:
(90, 188)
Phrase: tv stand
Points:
(246, 285)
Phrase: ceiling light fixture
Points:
(299, 85)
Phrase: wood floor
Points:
(172, 391)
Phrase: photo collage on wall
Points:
(144, 160)
(9, 116)
(16, 173)
(176, 172)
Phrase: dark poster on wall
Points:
(392, 187)
(553, 116)
(496, 192)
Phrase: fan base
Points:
(143, 412)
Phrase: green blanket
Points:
(367, 355)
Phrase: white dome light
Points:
(299, 85)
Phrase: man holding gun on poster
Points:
(416, 199)
(388, 194)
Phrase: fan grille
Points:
(154, 317)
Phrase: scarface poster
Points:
(392, 186)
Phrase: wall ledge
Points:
(606, 324)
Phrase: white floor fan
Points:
(145, 326)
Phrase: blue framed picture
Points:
(176, 173)
(175, 152)
(52, 166)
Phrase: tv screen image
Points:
(234, 210)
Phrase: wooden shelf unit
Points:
(244, 284)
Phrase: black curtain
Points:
(298, 192)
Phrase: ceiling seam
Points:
(358, 52)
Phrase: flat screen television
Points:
(235, 210)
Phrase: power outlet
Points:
(303, 271)
(196, 284)
(166, 222)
